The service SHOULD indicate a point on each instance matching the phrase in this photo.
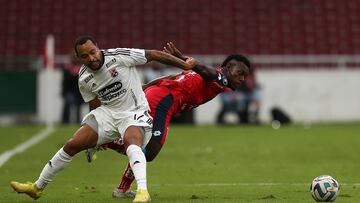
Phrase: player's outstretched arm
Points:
(169, 59)
(208, 73)
(171, 49)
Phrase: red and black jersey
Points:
(169, 97)
(191, 90)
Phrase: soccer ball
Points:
(324, 188)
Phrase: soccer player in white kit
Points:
(108, 81)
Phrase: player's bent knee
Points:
(83, 139)
(71, 147)
(133, 135)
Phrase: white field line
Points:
(240, 184)
(5, 156)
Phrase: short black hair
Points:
(237, 57)
(82, 40)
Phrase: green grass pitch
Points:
(200, 164)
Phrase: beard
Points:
(94, 65)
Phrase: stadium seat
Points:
(215, 27)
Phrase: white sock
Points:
(137, 162)
(60, 160)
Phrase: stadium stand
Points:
(200, 27)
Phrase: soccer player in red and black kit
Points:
(170, 95)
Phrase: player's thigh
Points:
(133, 135)
(85, 137)
(135, 127)
(103, 122)
(161, 121)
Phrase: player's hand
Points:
(190, 63)
(171, 49)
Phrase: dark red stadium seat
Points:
(201, 27)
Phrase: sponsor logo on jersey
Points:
(108, 64)
(109, 92)
(88, 78)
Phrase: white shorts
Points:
(112, 125)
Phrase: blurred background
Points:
(306, 54)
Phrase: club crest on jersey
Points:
(113, 72)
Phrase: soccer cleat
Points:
(119, 193)
(142, 196)
(28, 188)
(90, 154)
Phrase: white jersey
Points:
(116, 83)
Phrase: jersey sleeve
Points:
(86, 94)
(130, 57)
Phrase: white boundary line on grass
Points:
(5, 156)
(242, 184)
